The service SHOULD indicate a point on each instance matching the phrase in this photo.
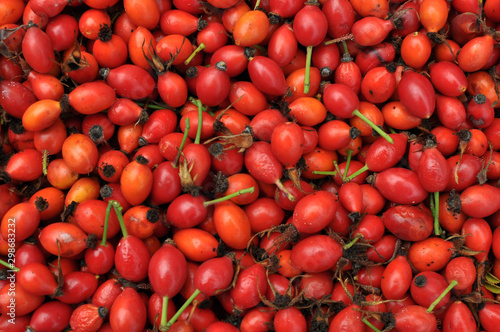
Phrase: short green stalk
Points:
(184, 306)
(347, 164)
(118, 209)
(337, 169)
(151, 106)
(45, 159)
(197, 102)
(196, 51)
(370, 325)
(7, 265)
(452, 284)
(332, 173)
(307, 82)
(371, 124)
(106, 222)
(437, 226)
(227, 197)
(164, 322)
(350, 244)
(183, 142)
(358, 172)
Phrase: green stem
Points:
(452, 284)
(337, 169)
(350, 244)
(347, 164)
(183, 142)
(193, 100)
(391, 130)
(152, 106)
(344, 46)
(164, 321)
(308, 69)
(184, 306)
(196, 51)
(370, 325)
(437, 226)
(118, 209)
(431, 203)
(332, 173)
(197, 139)
(7, 265)
(281, 187)
(225, 198)
(256, 5)
(358, 172)
(106, 222)
(45, 157)
(371, 124)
